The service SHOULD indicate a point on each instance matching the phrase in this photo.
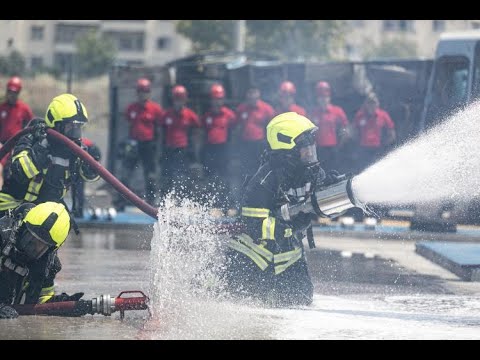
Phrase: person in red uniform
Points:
(332, 125)
(14, 113)
(253, 116)
(178, 123)
(373, 130)
(217, 122)
(286, 97)
(143, 117)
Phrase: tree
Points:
(288, 39)
(13, 64)
(396, 48)
(212, 35)
(95, 54)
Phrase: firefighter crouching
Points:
(30, 236)
(267, 261)
(42, 170)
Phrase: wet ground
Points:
(365, 288)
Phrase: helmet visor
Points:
(32, 246)
(308, 154)
(73, 129)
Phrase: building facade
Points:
(424, 34)
(50, 43)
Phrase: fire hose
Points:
(103, 304)
(104, 173)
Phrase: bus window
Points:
(449, 88)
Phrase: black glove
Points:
(87, 171)
(39, 128)
(94, 152)
(40, 154)
(331, 177)
(65, 297)
(302, 221)
(7, 312)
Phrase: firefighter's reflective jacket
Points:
(38, 177)
(267, 239)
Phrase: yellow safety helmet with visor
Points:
(67, 114)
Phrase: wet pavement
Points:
(365, 288)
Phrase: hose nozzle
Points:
(329, 201)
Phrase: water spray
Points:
(102, 304)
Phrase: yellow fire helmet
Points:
(283, 130)
(49, 221)
(67, 114)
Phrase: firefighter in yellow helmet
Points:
(29, 239)
(43, 169)
(267, 261)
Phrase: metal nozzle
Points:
(103, 304)
(331, 201)
(335, 199)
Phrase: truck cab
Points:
(455, 77)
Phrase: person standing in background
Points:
(374, 130)
(14, 113)
(143, 117)
(286, 97)
(332, 125)
(179, 123)
(217, 121)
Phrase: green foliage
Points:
(290, 40)
(294, 40)
(95, 54)
(13, 64)
(396, 48)
(211, 35)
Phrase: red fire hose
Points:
(104, 173)
(103, 304)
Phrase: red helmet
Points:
(14, 84)
(217, 91)
(323, 88)
(179, 92)
(143, 84)
(287, 87)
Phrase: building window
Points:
(406, 25)
(399, 25)
(67, 34)
(128, 41)
(36, 62)
(163, 43)
(36, 33)
(438, 25)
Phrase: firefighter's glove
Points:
(88, 172)
(39, 129)
(7, 312)
(94, 152)
(40, 154)
(332, 177)
(302, 221)
(65, 297)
